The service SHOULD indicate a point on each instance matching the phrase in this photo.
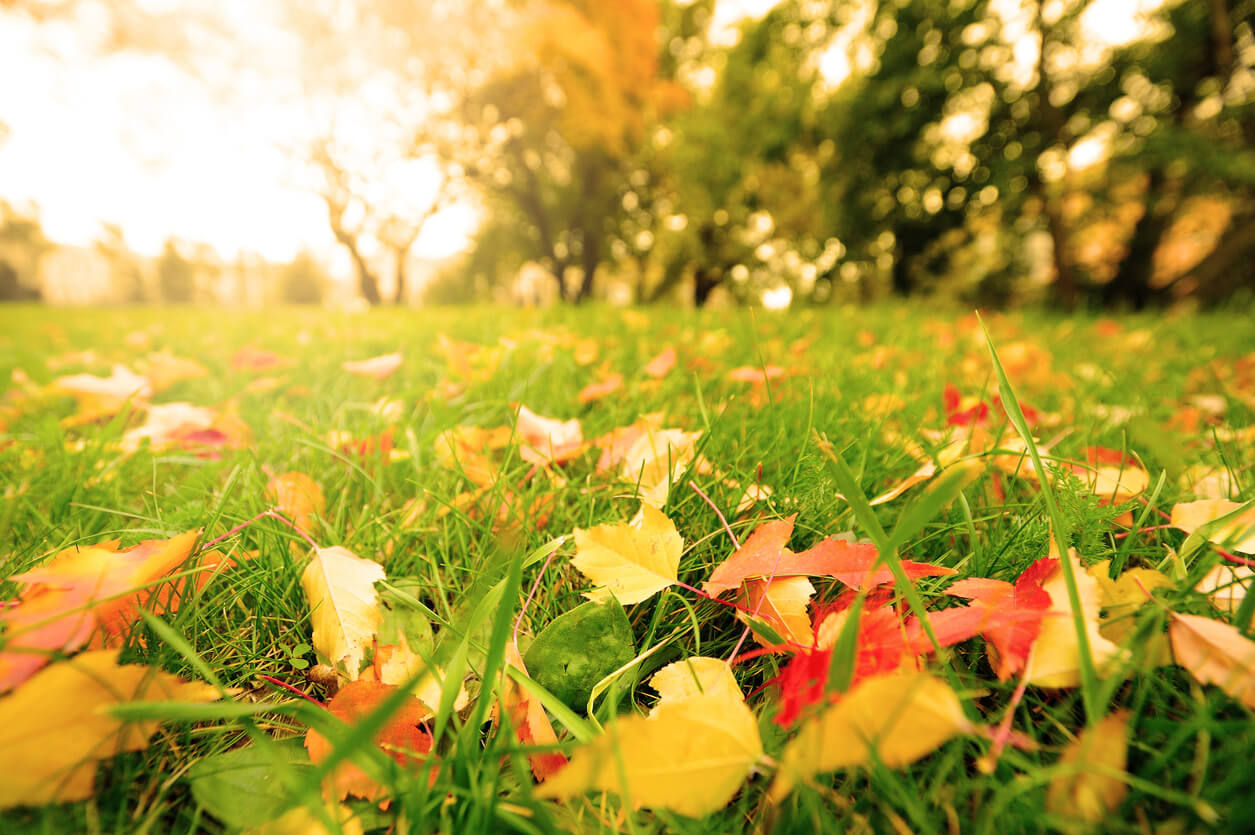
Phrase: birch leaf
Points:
(898, 717)
(690, 755)
(344, 605)
(630, 561)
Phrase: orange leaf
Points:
(402, 738)
(77, 591)
(298, 497)
(596, 391)
(531, 726)
(1215, 653)
(1010, 639)
(661, 365)
(763, 555)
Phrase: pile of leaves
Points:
(550, 581)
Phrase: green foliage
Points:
(580, 648)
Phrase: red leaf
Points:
(1013, 613)
(764, 554)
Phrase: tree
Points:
(547, 136)
(176, 276)
(22, 246)
(302, 281)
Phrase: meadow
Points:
(1104, 466)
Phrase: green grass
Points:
(60, 487)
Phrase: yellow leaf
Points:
(1055, 659)
(1085, 789)
(1121, 599)
(1215, 653)
(631, 561)
(690, 755)
(656, 460)
(402, 663)
(781, 604)
(696, 676)
(1237, 534)
(56, 726)
(344, 605)
(301, 821)
(900, 717)
(298, 496)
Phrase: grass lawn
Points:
(1148, 411)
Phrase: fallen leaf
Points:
(189, 427)
(579, 648)
(298, 497)
(896, 718)
(1111, 475)
(530, 724)
(257, 359)
(630, 561)
(403, 738)
(548, 440)
(461, 449)
(378, 368)
(602, 388)
(55, 729)
(661, 365)
(696, 676)
(1215, 653)
(690, 755)
(78, 591)
(164, 369)
(1238, 534)
(1010, 641)
(1227, 585)
(1056, 652)
(344, 606)
(780, 604)
(656, 460)
(756, 375)
(1085, 790)
(242, 787)
(1121, 600)
(763, 554)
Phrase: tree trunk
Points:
(1132, 281)
(367, 284)
(398, 295)
(590, 257)
(705, 280)
(1229, 266)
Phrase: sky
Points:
(133, 140)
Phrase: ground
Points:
(787, 406)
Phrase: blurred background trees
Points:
(1074, 152)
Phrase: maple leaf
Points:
(632, 561)
(528, 720)
(1010, 640)
(661, 365)
(344, 606)
(403, 737)
(897, 718)
(1237, 534)
(1215, 653)
(614, 445)
(377, 368)
(689, 755)
(298, 497)
(595, 391)
(78, 591)
(1086, 790)
(398, 664)
(548, 440)
(55, 729)
(763, 554)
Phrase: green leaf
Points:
(246, 787)
(579, 649)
